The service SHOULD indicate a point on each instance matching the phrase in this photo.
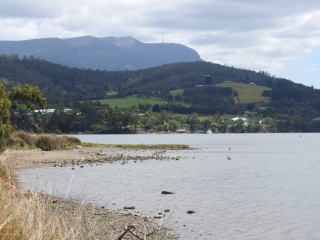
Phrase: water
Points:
(270, 189)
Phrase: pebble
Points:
(168, 192)
(129, 207)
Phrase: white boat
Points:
(208, 131)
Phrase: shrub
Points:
(14, 141)
(71, 140)
(49, 142)
(28, 138)
(46, 142)
(3, 144)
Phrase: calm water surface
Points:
(270, 189)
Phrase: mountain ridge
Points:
(107, 53)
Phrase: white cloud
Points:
(311, 70)
(29, 9)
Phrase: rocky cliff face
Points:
(108, 53)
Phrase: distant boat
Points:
(208, 131)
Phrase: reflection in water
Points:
(268, 190)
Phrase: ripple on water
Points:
(268, 190)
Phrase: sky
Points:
(281, 37)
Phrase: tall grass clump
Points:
(26, 216)
(69, 140)
(50, 142)
(47, 142)
(28, 138)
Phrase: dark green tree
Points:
(194, 122)
(5, 126)
(25, 100)
(208, 80)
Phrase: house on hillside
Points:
(181, 131)
(43, 111)
(50, 110)
(252, 83)
(240, 118)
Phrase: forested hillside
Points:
(64, 85)
(290, 106)
(60, 83)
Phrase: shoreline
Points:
(36, 158)
(106, 222)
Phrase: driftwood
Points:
(128, 229)
(131, 228)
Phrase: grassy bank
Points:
(46, 142)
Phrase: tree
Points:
(26, 99)
(156, 108)
(208, 80)
(194, 122)
(5, 127)
(134, 116)
(117, 120)
(207, 123)
(250, 106)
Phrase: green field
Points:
(247, 93)
(112, 93)
(128, 102)
(176, 92)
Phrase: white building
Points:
(44, 111)
(241, 118)
(181, 131)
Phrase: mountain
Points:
(109, 53)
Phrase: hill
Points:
(109, 53)
(200, 81)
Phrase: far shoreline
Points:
(89, 153)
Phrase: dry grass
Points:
(26, 216)
(49, 142)
(46, 142)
